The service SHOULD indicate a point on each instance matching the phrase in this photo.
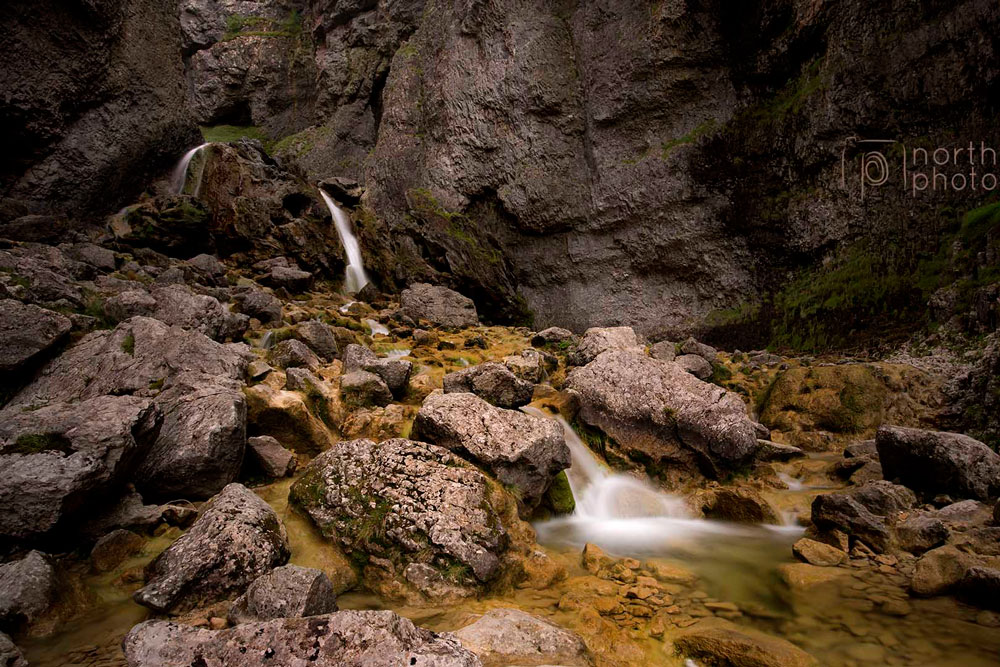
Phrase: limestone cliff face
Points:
(93, 103)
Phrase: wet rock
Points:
(861, 449)
(933, 462)
(803, 578)
(741, 505)
(293, 354)
(361, 388)
(258, 369)
(921, 533)
(395, 373)
(981, 586)
(522, 451)
(128, 512)
(884, 498)
(817, 553)
(270, 457)
(706, 352)
(288, 591)
(61, 460)
(356, 356)
(597, 340)
(493, 382)
(28, 332)
(773, 451)
(663, 413)
(664, 351)
(285, 416)
(10, 654)
(319, 338)
(236, 539)
(378, 424)
(260, 305)
(512, 637)
(842, 512)
(341, 639)
(531, 365)
(28, 589)
(419, 515)
(422, 337)
(438, 305)
(113, 549)
(695, 365)
(292, 279)
(939, 570)
(721, 642)
(552, 336)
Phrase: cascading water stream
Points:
(355, 277)
(179, 178)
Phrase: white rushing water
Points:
(355, 277)
(179, 177)
(624, 514)
(377, 328)
(397, 354)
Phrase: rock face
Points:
(28, 588)
(342, 639)
(289, 591)
(493, 382)
(193, 381)
(27, 332)
(659, 411)
(61, 460)
(934, 463)
(520, 450)
(96, 99)
(419, 516)
(438, 305)
(236, 539)
(513, 637)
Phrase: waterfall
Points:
(355, 277)
(179, 178)
(377, 328)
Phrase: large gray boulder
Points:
(319, 337)
(28, 589)
(395, 373)
(270, 457)
(361, 388)
(932, 462)
(341, 639)
(658, 411)
(27, 332)
(438, 305)
(178, 305)
(512, 637)
(259, 304)
(842, 512)
(236, 539)
(884, 498)
(520, 450)
(289, 591)
(492, 381)
(601, 339)
(421, 517)
(195, 382)
(62, 460)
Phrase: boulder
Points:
(361, 388)
(285, 416)
(818, 553)
(507, 636)
(861, 449)
(602, 339)
(270, 457)
(981, 586)
(741, 505)
(113, 549)
(493, 382)
(520, 450)
(260, 305)
(695, 365)
(10, 654)
(884, 498)
(939, 570)
(531, 365)
(27, 332)
(208, 270)
(664, 414)
(842, 512)
(920, 533)
(61, 460)
(292, 279)
(236, 539)
(423, 519)
(130, 303)
(288, 591)
(933, 463)
(774, 451)
(394, 372)
(664, 351)
(341, 639)
(177, 305)
(555, 336)
(438, 305)
(720, 642)
(293, 354)
(706, 352)
(28, 589)
(319, 337)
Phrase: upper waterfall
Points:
(355, 277)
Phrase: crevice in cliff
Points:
(375, 99)
(588, 148)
